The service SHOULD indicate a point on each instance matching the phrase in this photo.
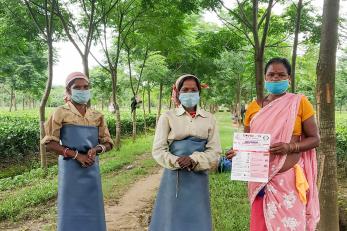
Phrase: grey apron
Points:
(183, 199)
(80, 199)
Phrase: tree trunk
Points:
(238, 101)
(159, 103)
(23, 103)
(149, 100)
(85, 64)
(295, 45)
(116, 108)
(259, 45)
(102, 104)
(259, 75)
(15, 101)
(115, 105)
(144, 112)
(44, 98)
(326, 69)
(117, 142)
(11, 99)
(170, 101)
(134, 124)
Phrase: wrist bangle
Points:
(65, 152)
(297, 147)
(194, 164)
(103, 147)
(75, 155)
(290, 148)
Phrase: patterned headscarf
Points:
(71, 77)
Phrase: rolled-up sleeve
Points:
(208, 160)
(104, 134)
(52, 129)
(160, 151)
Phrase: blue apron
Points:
(183, 199)
(80, 199)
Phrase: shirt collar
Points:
(74, 110)
(181, 111)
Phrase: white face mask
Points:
(190, 99)
(80, 96)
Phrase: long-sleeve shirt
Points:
(68, 114)
(177, 124)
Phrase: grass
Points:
(33, 189)
(114, 185)
(13, 169)
(31, 195)
(230, 205)
(229, 202)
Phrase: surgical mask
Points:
(278, 87)
(80, 96)
(190, 99)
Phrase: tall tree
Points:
(296, 40)
(81, 30)
(120, 19)
(19, 39)
(47, 31)
(231, 69)
(156, 72)
(254, 27)
(102, 86)
(135, 81)
(326, 69)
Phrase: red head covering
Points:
(71, 77)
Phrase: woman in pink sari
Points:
(289, 200)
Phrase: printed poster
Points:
(251, 162)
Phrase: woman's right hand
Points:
(230, 154)
(85, 160)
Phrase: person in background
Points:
(78, 134)
(187, 145)
(289, 200)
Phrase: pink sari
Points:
(282, 208)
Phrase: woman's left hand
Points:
(91, 154)
(280, 148)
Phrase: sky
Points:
(69, 60)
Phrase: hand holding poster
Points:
(251, 162)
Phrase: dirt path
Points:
(134, 208)
(131, 213)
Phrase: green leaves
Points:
(19, 134)
(156, 70)
(341, 141)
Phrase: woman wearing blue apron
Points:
(77, 134)
(187, 145)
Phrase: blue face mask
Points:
(80, 96)
(190, 99)
(278, 87)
